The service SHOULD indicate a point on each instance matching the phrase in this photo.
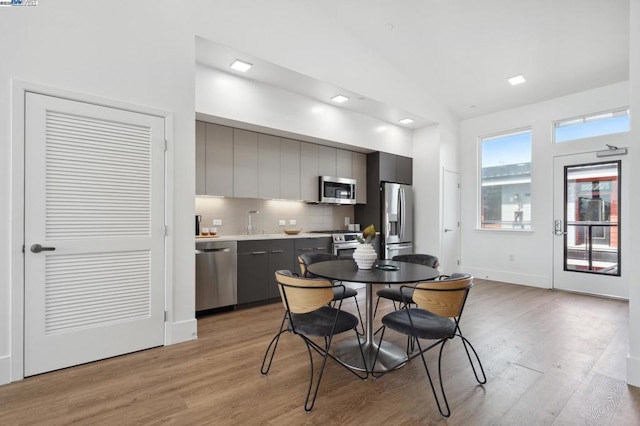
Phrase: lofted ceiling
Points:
(462, 51)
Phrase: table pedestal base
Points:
(389, 357)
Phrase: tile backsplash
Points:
(232, 212)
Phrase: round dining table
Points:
(346, 270)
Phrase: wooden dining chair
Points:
(306, 259)
(309, 316)
(393, 293)
(437, 317)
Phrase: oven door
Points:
(344, 250)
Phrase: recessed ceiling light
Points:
(518, 79)
(406, 120)
(241, 66)
(340, 99)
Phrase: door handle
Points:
(557, 228)
(448, 230)
(37, 248)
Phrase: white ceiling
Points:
(463, 51)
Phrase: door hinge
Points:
(166, 145)
(165, 316)
(458, 186)
(23, 248)
(166, 230)
(458, 262)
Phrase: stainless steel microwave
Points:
(334, 190)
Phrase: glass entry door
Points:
(587, 225)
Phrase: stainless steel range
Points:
(345, 242)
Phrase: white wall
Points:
(532, 251)
(228, 96)
(633, 361)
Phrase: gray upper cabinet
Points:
(289, 169)
(359, 173)
(218, 155)
(327, 161)
(343, 164)
(245, 164)
(309, 171)
(268, 166)
(201, 160)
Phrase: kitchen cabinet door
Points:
(327, 162)
(359, 173)
(387, 167)
(289, 169)
(219, 160)
(309, 171)
(252, 269)
(343, 164)
(404, 170)
(311, 245)
(201, 159)
(268, 167)
(245, 164)
(280, 257)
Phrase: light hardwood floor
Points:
(550, 358)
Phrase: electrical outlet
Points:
(282, 222)
(217, 222)
(347, 221)
(293, 222)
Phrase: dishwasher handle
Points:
(214, 250)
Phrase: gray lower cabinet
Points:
(257, 263)
(311, 245)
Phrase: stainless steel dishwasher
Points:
(216, 275)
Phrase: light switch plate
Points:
(217, 222)
(282, 222)
(292, 222)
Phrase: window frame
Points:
(583, 119)
(479, 210)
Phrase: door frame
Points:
(456, 267)
(624, 213)
(16, 229)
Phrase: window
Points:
(505, 188)
(587, 126)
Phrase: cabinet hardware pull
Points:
(259, 252)
(277, 251)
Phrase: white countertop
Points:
(278, 236)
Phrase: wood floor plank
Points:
(550, 358)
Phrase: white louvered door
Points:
(94, 191)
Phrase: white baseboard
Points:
(532, 280)
(182, 331)
(633, 371)
(5, 369)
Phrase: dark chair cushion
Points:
(425, 324)
(348, 292)
(393, 293)
(320, 321)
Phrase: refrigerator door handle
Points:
(401, 213)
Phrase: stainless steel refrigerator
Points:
(397, 219)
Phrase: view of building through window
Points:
(506, 181)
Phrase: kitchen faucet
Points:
(249, 227)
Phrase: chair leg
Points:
(308, 404)
(271, 349)
(360, 318)
(466, 343)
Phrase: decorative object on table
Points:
(292, 231)
(365, 255)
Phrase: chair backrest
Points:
(301, 295)
(445, 297)
(307, 259)
(422, 259)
